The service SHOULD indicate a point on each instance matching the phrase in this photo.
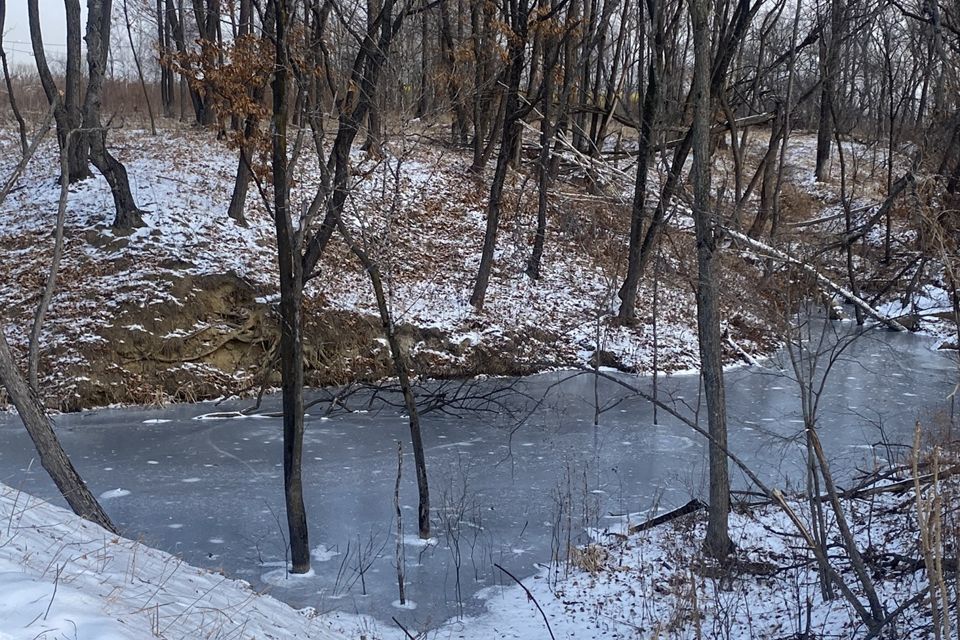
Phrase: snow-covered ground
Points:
(125, 300)
(63, 577)
(423, 220)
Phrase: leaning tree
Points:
(79, 109)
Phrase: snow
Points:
(114, 493)
(426, 236)
(657, 583)
(323, 554)
(424, 224)
(63, 577)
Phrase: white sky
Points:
(16, 39)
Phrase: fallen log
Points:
(776, 254)
(690, 507)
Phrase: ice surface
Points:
(490, 499)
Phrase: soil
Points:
(218, 338)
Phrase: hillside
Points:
(180, 309)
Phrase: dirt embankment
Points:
(216, 336)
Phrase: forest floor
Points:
(183, 308)
(658, 583)
(64, 577)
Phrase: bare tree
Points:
(300, 248)
(517, 17)
(21, 125)
(291, 300)
(72, 115)
(717, 542)
(652, 100)
(53, 458)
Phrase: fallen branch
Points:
(898, 187)
(529, 597)
(403, 628)
(749, 359)
(901, 485)
(690, 507)
(776, 254)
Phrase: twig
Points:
(403, 628)
(529, 597)
(56, 581)
(690, 507)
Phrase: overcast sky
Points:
(16, 38)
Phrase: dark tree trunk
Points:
(241, 185)
(374, 140)
(768, 178)
(423, 99)
(291, 298)
(166, 74)
(511, 136)
(481, 19)
(52, 456)
(402, 369)
(648, 118)
(98, 43)
(21, 124)
(67, 112)
(79, 150)
(829, 69)
(175, 19)
(458, 128)
(543, 168)
(717, 543)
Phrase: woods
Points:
(332, 193)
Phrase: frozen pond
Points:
(210, 489)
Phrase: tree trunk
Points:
(423, 99)
(717, 543)
(291, 298)
(403, 377)
(458, 126)
(511, 135)
(52, 456)
(67, 111)
(175, 24)
(651, 107)
(374, 140)
(551, 52)
(21, 124)
(98, 43)
(481, 19)
(829, 68)
(166, 74)
(241, 184)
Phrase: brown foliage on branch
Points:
(227, 77)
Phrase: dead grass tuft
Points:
(592, 558)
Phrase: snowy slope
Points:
(63, 577)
